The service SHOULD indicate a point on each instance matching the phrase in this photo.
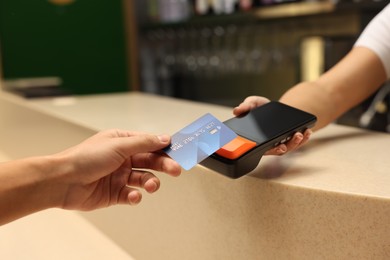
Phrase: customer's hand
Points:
(107, 168)
(296, 141)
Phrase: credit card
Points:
(198, 140)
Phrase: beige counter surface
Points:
(55, 234)
(337, 153)
(330, 200)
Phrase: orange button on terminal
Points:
(235, 148)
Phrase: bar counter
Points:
(329, 200)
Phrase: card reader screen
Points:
(269, 121)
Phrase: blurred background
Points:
(215, 51)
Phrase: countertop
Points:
(55, 234)
(329, 200)
(157, 114)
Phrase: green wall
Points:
(83, 43)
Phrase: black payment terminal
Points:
(258, 131)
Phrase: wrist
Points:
(56, 181)
(48, 180)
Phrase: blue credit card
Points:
(198, 140)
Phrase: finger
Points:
(250, 103)
(277, 150)
(112, 133)
(145, 180)
(157, 162)
(130, 196)
(256, 101)
(306, 136)
(241, 109)
(295, 141)
(119, 133)
(134, 197)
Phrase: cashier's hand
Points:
(298, 139)
(110, 167)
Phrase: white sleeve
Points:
(376, 37)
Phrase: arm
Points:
(362, 71)
(103, 170)
(353, 79)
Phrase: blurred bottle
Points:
(173, 10)
(202, 7)
(153, 10)
(217, 6)
(231, 6)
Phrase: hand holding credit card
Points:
(198, 140)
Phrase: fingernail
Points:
(164, 138)
(134, 198)
(298, 138)
(153, 186)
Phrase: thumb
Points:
(143, 143)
